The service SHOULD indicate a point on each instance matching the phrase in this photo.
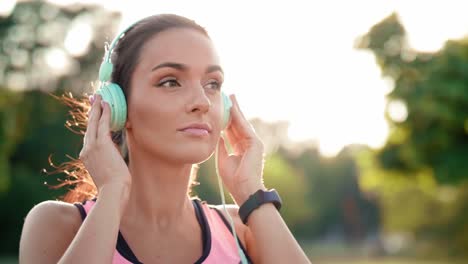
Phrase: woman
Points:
(169, 72)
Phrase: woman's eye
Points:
(213, 85)
(168, 83)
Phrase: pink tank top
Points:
(219, 245)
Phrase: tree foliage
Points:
(32, 121)
(433, 89)
(420, 175)
(321, 195)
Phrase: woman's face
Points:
(175, 93)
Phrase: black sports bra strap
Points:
(81, 209)
(228, 226)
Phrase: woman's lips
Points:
(196, 131)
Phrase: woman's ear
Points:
(128, 123)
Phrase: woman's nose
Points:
(199, 101)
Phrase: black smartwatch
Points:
(255, 200)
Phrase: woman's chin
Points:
(196, 155)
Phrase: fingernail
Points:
(91, 99)
(234, 98)
(103, 103)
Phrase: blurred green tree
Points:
(420, 175)
(44, 49)
(338, 207)
(431, 91)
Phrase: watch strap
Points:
(256, 200)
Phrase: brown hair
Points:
(125, 57)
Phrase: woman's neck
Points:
(158, 196)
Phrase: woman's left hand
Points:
(242, 171)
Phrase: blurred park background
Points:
(371, 160)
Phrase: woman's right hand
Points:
(99, 154)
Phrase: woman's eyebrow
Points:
(175, 65)
(214, 68)
(183, 67)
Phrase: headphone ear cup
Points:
(113, 94)
(227, 105)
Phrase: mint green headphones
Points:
(113, 94)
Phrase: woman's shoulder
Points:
(54, 213)
(48, 229)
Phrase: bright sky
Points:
(294, 60)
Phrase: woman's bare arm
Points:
(267, 238)
(97, 237)
(268, 235)
(47, 236)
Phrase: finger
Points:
(236, 137)
(93, 121)
(87, 136)
(234, 140)
(238, 143)
(239, 123)
(230, 136)
(87, 117)
(222, 151)
(236, 103)
(104, 121)
(91, 99)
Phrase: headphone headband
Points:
(116, 39)
(105, 71)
